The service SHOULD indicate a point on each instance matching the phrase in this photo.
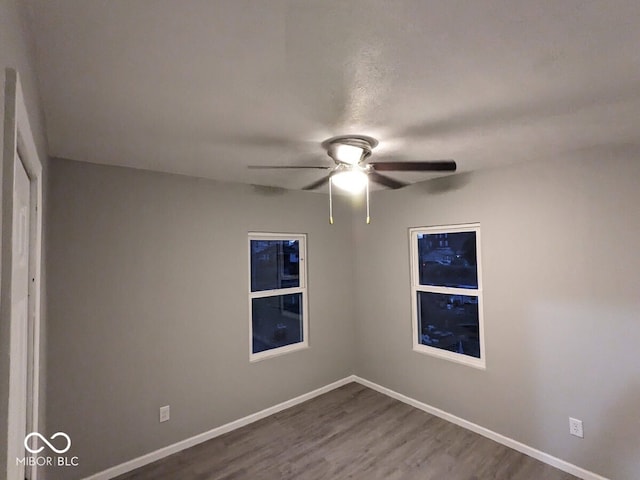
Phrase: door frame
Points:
(18, 140)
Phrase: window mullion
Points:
(276, 292)
(448, 290)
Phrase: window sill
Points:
(276, 352)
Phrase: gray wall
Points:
(148, 306)
(16, 52)
(148, 281)
(561, 305)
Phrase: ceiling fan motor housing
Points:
(364, 143)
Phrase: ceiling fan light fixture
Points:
(352, 181)
(344, 153)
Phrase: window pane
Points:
(448, 259)
(275, 264)
(277, 321)
(449, 322)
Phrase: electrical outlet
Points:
(575, 427)
(165, 413)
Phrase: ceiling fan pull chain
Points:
(368, 216)
(330, 203)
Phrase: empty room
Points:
(320, 239)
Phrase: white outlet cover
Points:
(575, 427)
(165, 413)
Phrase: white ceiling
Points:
(206, 88)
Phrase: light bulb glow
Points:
(353, 181)
(347, 153)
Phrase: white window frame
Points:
(301, 238)
(416, 287)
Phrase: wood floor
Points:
(352, 432)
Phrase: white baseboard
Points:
(203, 437)
(485, 432)
(216, 432)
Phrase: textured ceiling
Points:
(206, 88)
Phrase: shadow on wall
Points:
(496, 116)
(446, 184)
(602, 390)
(619, 434)
(268, 191)
(601, 151)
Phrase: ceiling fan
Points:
(352, 172)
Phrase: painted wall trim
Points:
(19, 145)
(215, 432)
(254, 417)
(485, 432)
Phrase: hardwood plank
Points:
(351, 432)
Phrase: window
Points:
(277, 294)
(446, 289)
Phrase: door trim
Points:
(18, 138)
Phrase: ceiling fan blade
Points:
(386, 181)
(434, 166)
(267, 167)
(317, 183)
